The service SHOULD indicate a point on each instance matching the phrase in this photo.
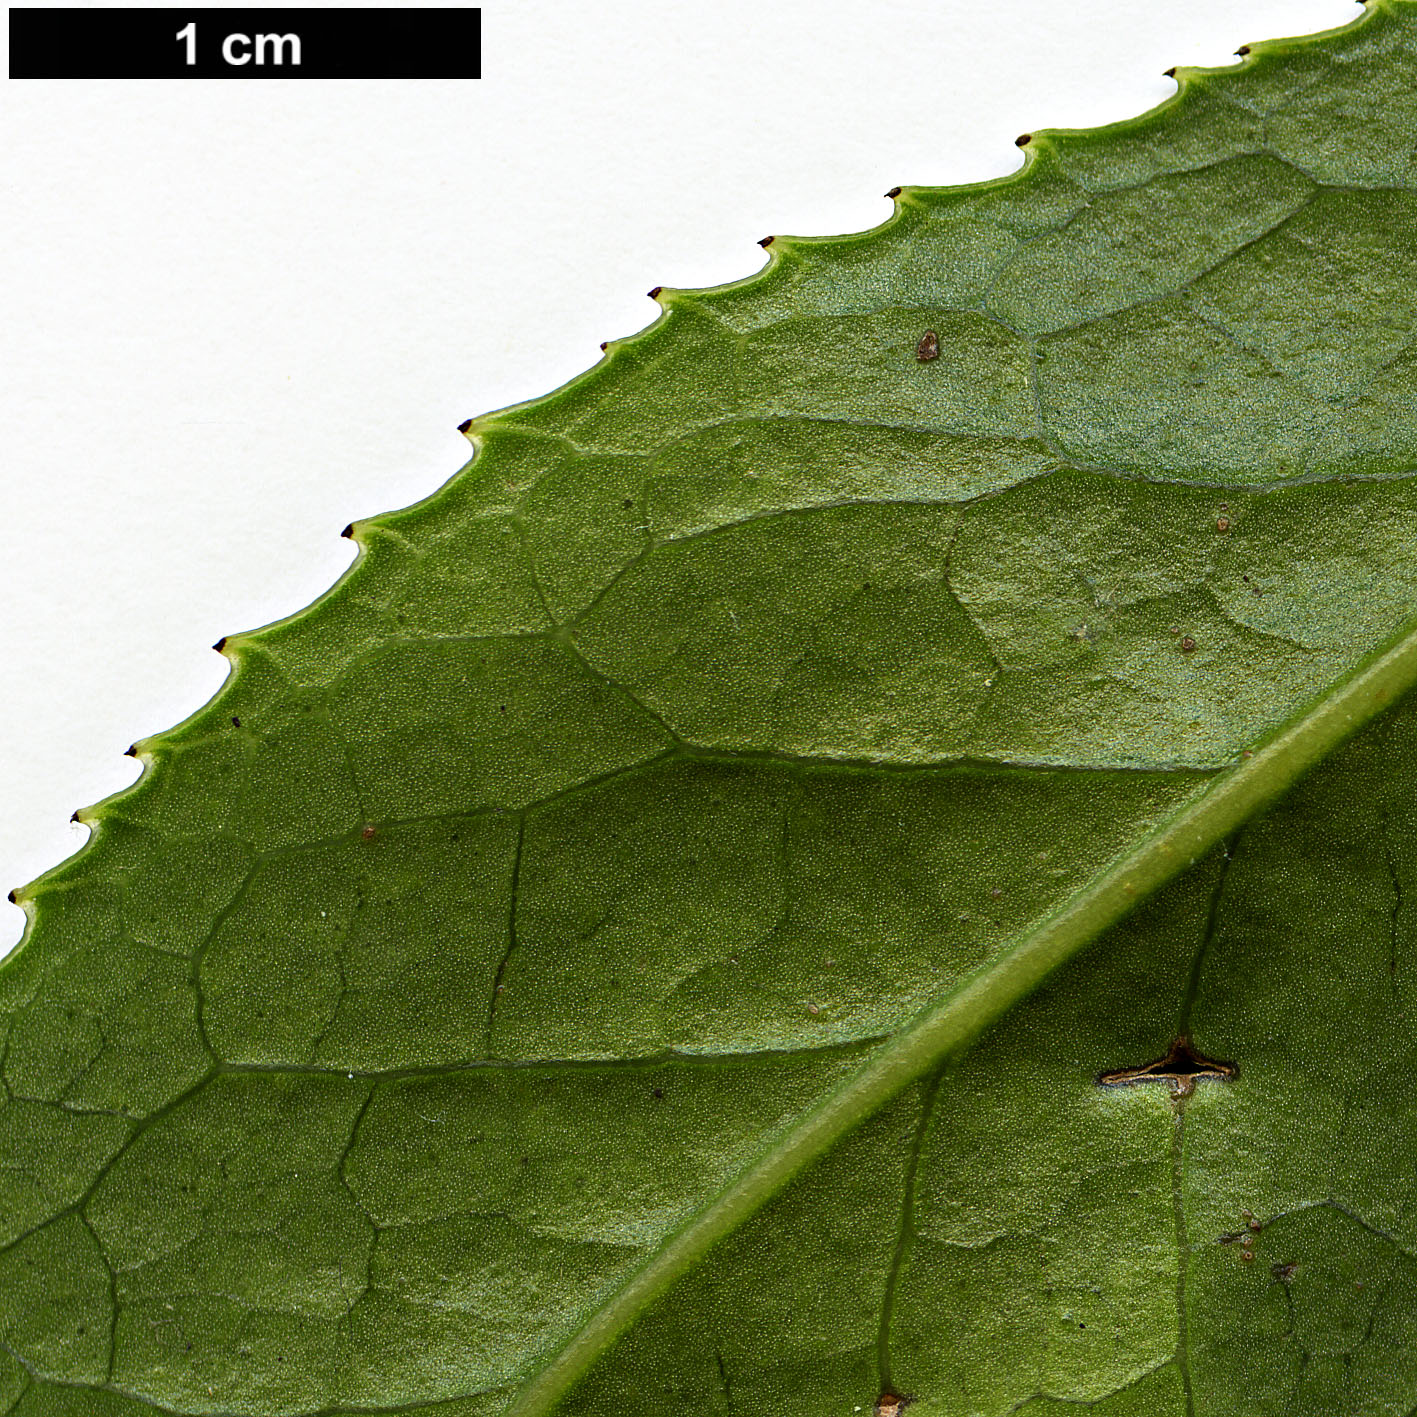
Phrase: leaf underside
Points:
(541, 979)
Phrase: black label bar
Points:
(246, 44)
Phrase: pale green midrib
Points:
(957, 1019)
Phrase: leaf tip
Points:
(131, 751)
(1023, 140)
(1243, 50)
(1171, 72)
(13, 898)
(766, 242)
(604, 345)
(656, 292)
(893, 193)
(220, 645)
(465, 426)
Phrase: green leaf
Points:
(652, 938)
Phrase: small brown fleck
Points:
(369, 833)
(928, 348)
(1284, 1272)
(235, 722)
(1225, 506)
(1247, 1255)
(1174, 630)
(1222, 523)
(813, 1009)
(1255, 1226)
(1187, 644)
(996, 892)
(658, 1093)
(889, 1404)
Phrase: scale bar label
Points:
(246, 44)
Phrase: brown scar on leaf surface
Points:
(928, 348)
(889, 1404)
(1181, 1067)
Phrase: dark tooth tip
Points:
(12, 898)
(73, 816)
(1171, 73)
(1243, 50)
(893, 193)
(348, 531)
(131, 751)
(464, 425)
(654, 294)
(604, 345)
(766, 242)
(220, 644)
(1023, 140)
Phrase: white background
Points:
(238, 314)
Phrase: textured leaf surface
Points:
(540, 978)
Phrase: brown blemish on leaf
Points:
(1222, 523)
(369, 833)
(1181, 1067)
(928, 348)
(1187, 644)
(1283, 1273)
(889, 1404)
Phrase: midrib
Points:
(960, 1016)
